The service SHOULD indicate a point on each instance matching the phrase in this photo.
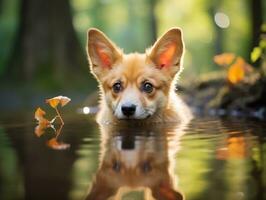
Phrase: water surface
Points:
(207, 158)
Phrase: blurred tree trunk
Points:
(152, 18)
(46, 46)
(256, 20)
(1, 6)
(218, 45)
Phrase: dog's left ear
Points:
(167, 51)
(165, 191)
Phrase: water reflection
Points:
(214, 159)
(137, 162)
(53, 142)
(234, 147)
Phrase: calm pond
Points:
(206, 158)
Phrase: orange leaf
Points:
(39, 113)
(237, 147)
(53, 102)
(39, 130)
(39, 116)
(236, 72)
(64, 100)
(54, 144)
(224, 59)
(43, 123)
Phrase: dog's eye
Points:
(117, 87)
(147, 87)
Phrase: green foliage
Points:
(8, 24)
(255, 54)
(128, 23)
(237, 36)
(192, 160)
(10, 172)
(120, 20)
(259, 51)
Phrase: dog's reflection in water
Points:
(136, 159)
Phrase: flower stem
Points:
(58, 132)
(58, 114)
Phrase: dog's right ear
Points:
(102, 53)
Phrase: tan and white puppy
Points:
(138, 86)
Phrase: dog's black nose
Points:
(128, 110)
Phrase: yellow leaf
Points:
(236, 71)
(224, 59)
(255, 54)
(63, 100)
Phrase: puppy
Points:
(139, 87)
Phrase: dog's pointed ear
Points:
(101, 190)
(167, 52)
(165, 192)
(102, 53)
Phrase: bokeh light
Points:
(222, 20)
(86, 110)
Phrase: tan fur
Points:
(147, 166)
(160, 66)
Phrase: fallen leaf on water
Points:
(39, 116)
(39, 130)
(224, 59)
(63, 100)
(54, 102)
(44, 123)
(54, 144)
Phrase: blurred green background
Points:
(43, 41)
(43, 54)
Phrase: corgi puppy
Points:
(137, 159)
(138, 86)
